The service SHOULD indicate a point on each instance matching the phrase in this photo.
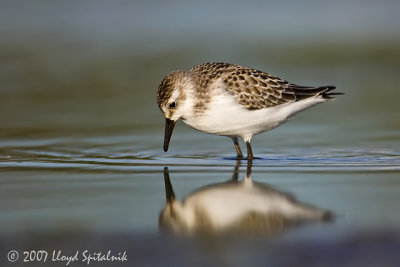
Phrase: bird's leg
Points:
(237, 147)
(249, 151)
(249, 166)
(236, 171)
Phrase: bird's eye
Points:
(172, 105)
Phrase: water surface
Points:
(81, 135)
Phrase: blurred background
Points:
(93, 67)
(81, 134)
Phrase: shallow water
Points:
(103, 184)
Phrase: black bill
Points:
(169, 127)
(169, 191)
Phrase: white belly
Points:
(225, 116)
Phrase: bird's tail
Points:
(327, 94)
(303, 92)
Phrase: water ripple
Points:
(52, 157)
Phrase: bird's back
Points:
(254, 89)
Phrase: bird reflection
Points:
(235, 206)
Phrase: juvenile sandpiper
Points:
(234, 101)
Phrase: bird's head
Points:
(171, 98)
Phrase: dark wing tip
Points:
(303, 92)
(329, 95)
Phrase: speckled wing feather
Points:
(255, 89)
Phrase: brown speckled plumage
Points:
(252, 88)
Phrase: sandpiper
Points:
(236, 206)
(232, 100)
